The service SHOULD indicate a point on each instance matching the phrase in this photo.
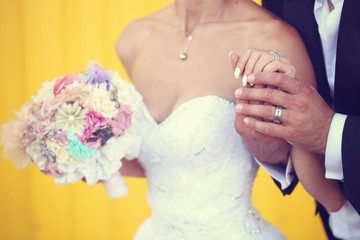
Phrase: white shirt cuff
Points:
(285, 176)
(333, 159)
(345, 222)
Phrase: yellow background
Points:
(44, 39)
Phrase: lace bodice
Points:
(200, 175)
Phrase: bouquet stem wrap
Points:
(116, 186)
(79, 126)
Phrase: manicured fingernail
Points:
(237, 73)
(251, 79)
(246, 121)
(244, 80)
(239, 107)
(231, 51)
(238, 92)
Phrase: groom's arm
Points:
(351, 160)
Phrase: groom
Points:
(330, 30)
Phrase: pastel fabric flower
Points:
(41, 128)
(46, 92)
(78, 94)
(77, 149)
(61, 83)
(97, 75)
(62, 153)
(100, 102)
(48, 108)
(71, 117)
(84, 76)
(12, 138)
(122, 121)
(94, 121)
(88, 134)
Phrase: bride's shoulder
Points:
(267, 31)
(133, 35)
(270, 27)
(136, 33)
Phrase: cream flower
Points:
(100, 102)
(71, 117)
(126, 92)
(77, 93)
(46, 92)
(62, 153)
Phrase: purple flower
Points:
(98, 75)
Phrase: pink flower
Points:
(95, 120)
(122, 121)
(63, 82)
(88, 134)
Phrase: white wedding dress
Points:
(200, 176)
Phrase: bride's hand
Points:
(255, 60)
(265, 148)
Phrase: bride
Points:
(199, 173)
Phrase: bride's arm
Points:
(132, 168)
(127, 47)
(310, 169)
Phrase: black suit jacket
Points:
(300, 14)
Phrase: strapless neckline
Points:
(181, 107)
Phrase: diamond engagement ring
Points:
(277, 116)
(276, 55)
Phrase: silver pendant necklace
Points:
(183, 55)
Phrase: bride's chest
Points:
(166, 83)
(201, 126)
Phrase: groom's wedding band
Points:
(276, 55)
(277, 116)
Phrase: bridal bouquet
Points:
(78, 127)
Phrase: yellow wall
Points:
(43, 39)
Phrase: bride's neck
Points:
(191, 13)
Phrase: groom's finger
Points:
(267, 128)
(257, 101)
(279, 80)
(269, 95)
(266, 112)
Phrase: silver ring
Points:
(276, 55)
(277, 116)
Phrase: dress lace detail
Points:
(200, 176)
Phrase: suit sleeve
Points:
(289, 189)
(351, 160)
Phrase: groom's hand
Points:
(265, 148)
(305, 117)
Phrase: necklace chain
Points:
(190, 35)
